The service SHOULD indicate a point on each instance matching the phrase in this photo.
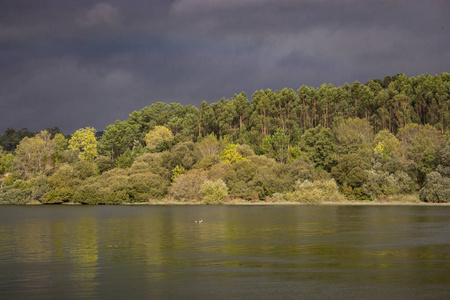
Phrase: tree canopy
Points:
(363, 141)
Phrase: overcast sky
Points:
(83, 63)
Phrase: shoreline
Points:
(263, 203)
(241, 202)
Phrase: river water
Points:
(237, 252)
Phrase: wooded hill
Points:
(359, 141)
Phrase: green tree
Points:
(281, 146)
(351, 174)
(183, 154)
(6, 161)
(380, 182)
(318, 145)
(277, 146)
(117, 138)
(387, 144)
(304, 111)
(147, 118)
(104, 163)
(241, 106)
(354, 136)
(208, 146)
(63, 184)
(420, 143)
(271, 177)
(60, 142)
(205, 119)
(261, 109)
(443, 159)
(11, 138)
(84, 169)
(126, 159)
(35, 155)
(151, 162)
(436, 188)
(189, 123)
(239, 179)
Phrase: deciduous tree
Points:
(157, 137)
(35, 155)
(84, 143)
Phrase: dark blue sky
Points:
(82, 63)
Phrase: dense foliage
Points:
(361, 141)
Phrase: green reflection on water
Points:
(86, 250)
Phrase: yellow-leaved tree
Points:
(84, 143)
(156, 137)
(230, 154)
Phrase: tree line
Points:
(380, 139)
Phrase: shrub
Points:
(133, 185)
(6, 161)
(382, 183)
(15, 196)
(443, 159)
(177, 171)
(436, 188)
(62, 185)
(313, 192)
(138, 167)
(59, 195)
(278, 197)
(112, 174)
(187, 186)
(152, 162)
(207, 162)
(126, 159)
(143, 186)
(214, 192)
(117, 182)
(84, 169)
(92, 194)
(11, 179)
(218, 171)
(39, 187)
(104, 163)
(245, 150)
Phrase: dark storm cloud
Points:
(81, 63)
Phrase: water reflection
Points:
(33, 241)
(269, 252)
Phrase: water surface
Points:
(251, 252)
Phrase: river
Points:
(237, 252)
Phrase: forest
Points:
(384, 139)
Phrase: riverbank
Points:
(259, 203)
(411, 200)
